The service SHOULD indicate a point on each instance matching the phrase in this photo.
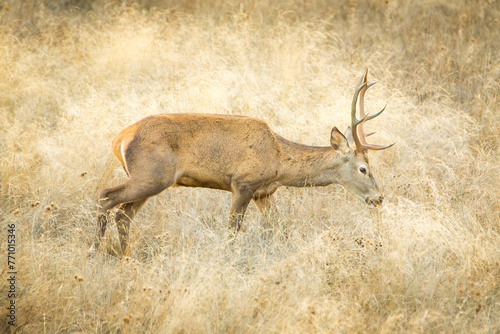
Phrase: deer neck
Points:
(307, 166)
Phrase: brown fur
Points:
(234, 153)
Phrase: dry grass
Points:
(73, 73)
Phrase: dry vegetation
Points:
(75, 72)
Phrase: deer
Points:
(234, 153)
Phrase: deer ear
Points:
(348, 135)
(338, 141)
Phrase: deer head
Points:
(355, 173)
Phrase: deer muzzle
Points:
(377, 201)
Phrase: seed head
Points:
(479, 307)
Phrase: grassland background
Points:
(74, 73)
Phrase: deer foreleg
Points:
(241, 199)
(269, 210)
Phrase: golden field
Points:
(74, 73)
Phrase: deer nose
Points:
(375, 201)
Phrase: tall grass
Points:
(74, 73)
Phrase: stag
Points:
(234, 153)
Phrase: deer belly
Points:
(186, 180)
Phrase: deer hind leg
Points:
(132, 191)
(126, 212)
(102, 221)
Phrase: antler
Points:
(358, 134)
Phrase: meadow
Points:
(73, 73)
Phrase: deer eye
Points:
(362, 170)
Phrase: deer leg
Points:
(102, 221)
(131, 191)
(267, 206)
(128, 192)
(126, 212)
(150, 171)
(241, 199)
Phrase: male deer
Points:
(234, 153)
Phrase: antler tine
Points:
(354, 121)
(358, 134)
(362, 99)
(362, 80)
(360, 131)
(359, 91)
(376, 147)
(373, 116)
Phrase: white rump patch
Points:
(122, 151)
